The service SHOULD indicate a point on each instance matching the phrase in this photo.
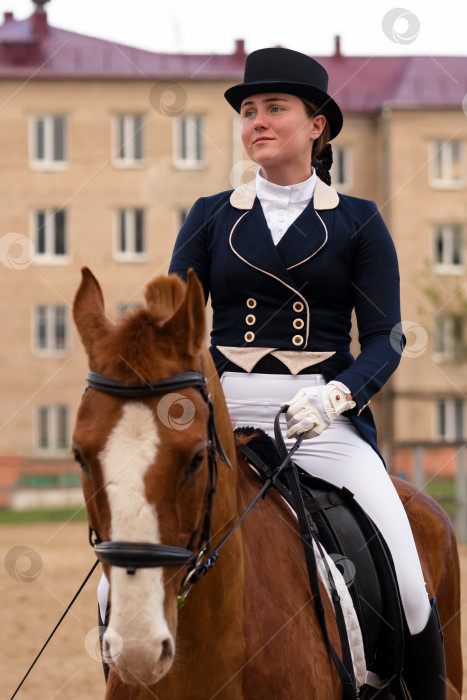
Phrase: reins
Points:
(56, 626)
(309, 536)
(133, 555)
(203, 565)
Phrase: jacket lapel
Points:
(251, 239)
(303, 239)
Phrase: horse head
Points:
(144, 458)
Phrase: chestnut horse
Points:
(249, 627)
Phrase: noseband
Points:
(137, 555)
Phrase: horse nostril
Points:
(167, 650)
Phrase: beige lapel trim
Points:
(325, 197)
(294, 360)
(246, 358)
(243, 196)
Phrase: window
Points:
(341, 171)
(129, 146)
(50, 236)
(181, 216)
(448, 253)
(450, 337)
(51, 330)
(48, 141)
(130, 238)
(446, 164)
(189, 141)
(450, 419)
(52, 432)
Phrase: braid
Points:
(322, 164)
(321, 157)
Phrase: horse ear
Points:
(89, 312)
(164, 294)
(189, 320)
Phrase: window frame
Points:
(443, 149)
(129, 133)
(454, 343)
(53, 429)
(130, 255)
(452, 405)
(48, 162)
(447, 233)
(194, 139)
(347, 183)
(50, 349)
(47, 257)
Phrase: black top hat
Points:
(292, 72)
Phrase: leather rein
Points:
(136, 555)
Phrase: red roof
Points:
(32, 49)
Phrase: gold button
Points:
(297, 340)
(251, 303)
(249, 337)
(298, 324)
(250, 319)
(298, 306)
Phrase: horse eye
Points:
(78, 458)
(195, 464)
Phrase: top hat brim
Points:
(326, 105)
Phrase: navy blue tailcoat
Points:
(337, 256)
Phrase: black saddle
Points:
(355, 544)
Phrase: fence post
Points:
(418, 476)
(460, 522)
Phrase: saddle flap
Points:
(352, 540)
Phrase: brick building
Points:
(105, 147)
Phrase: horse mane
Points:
(141, 345)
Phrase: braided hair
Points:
(323, 163)
(321, 157)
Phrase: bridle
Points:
(137, 555)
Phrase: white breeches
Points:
(339, 455)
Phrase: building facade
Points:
(104, 148)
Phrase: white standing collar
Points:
(299, 193)
(325, 197)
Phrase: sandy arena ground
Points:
(35, 589)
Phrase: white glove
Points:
(313, 409)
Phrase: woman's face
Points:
(278, 134)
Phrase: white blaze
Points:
(137, 601)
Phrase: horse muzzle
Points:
(135, 661)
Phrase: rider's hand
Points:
(313, 409)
